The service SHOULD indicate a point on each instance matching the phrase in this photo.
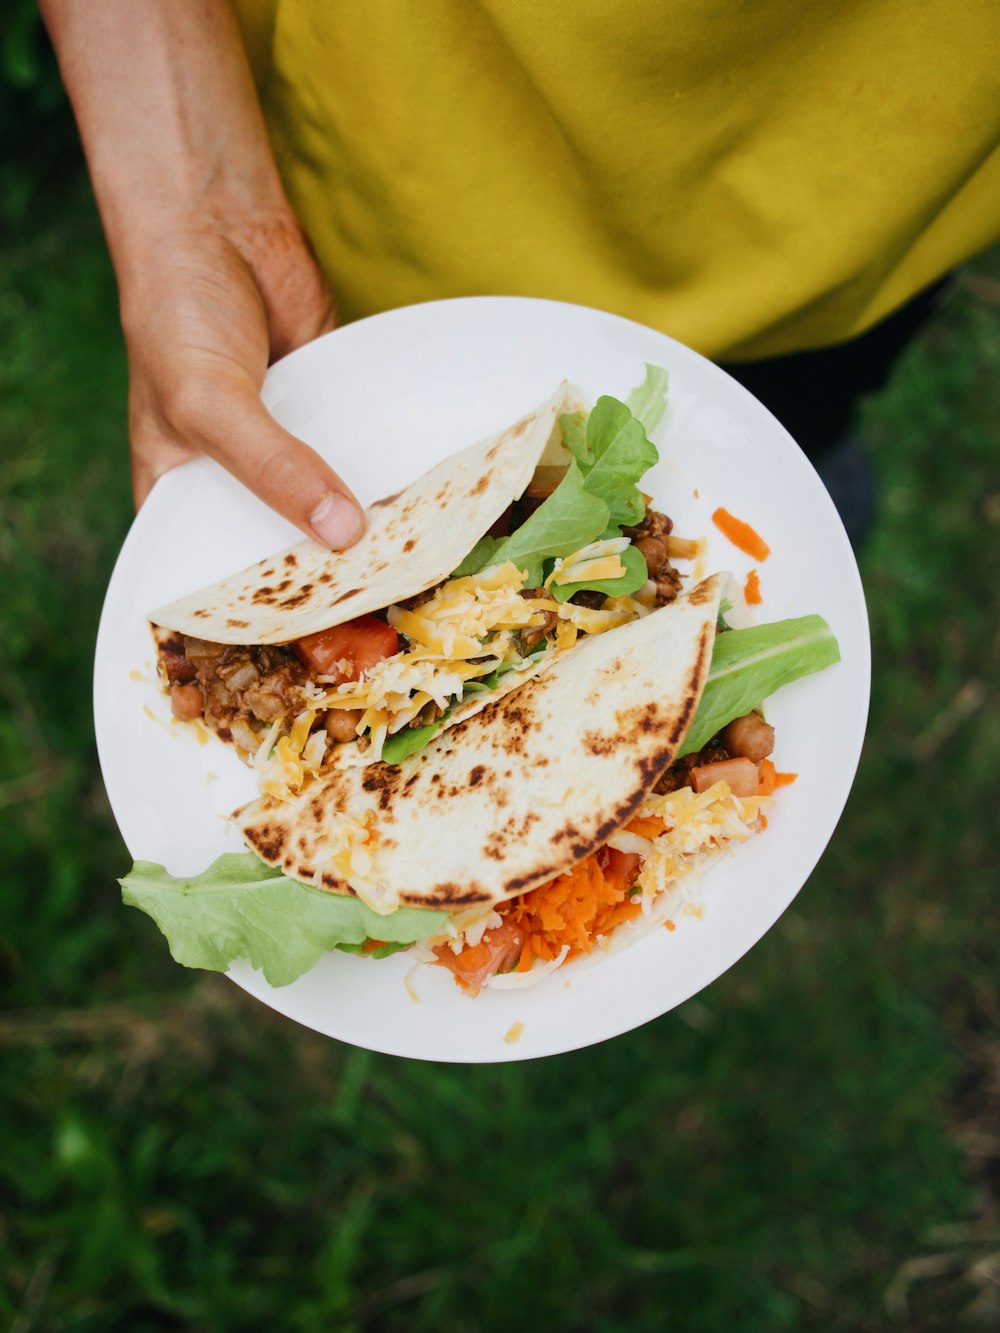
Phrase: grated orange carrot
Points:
(572, 909)
(751, 589)
(741, 535)
(769, 778)
(648, 826)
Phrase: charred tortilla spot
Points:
(238, 624)
(383, 779)
(291, 559)
(305, 872)
(480, 485)
(701, 593)
(595, 743)
(408, 546)
(387, 500)
(645, 718)
(450, 894)
(494, 846)
(325, 577)
(268, 841)
(284, 585)
(263, 594)
(519, 882)
(476, 775)
(351, 592)
(200, 613)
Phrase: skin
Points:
(215, 274)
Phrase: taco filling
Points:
(642, 878)
(576, 552)
(388, 682)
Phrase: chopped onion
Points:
(623, 841)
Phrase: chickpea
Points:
(341, 723)
(187, 702)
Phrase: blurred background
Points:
(812, 1143)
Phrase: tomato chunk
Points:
(500, 948)
(347, 651)
(622, 867)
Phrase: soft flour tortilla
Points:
(534, 783)
(413, 541)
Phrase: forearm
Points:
(215, 275)
(168, 116)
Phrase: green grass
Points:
(809, 1144)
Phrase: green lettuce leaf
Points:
(570, 518)
(599, 493)
(479, 557)
(634, 577)
(748, 665)
(408, 741)
(241, 908)
(574, 432)
(618, 454)
(648, 401)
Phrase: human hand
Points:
(205, 309)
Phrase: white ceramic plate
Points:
(384, 399)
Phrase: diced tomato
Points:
(621, 867)
(499, 949)
(347, 651)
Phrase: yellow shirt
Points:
(750, 176)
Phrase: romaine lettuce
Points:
(598, 495)
(241, 908)
(748, 665)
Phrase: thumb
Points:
(285, 473)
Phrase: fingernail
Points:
(336, 520)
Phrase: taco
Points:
(467, 583)
(539, 830)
